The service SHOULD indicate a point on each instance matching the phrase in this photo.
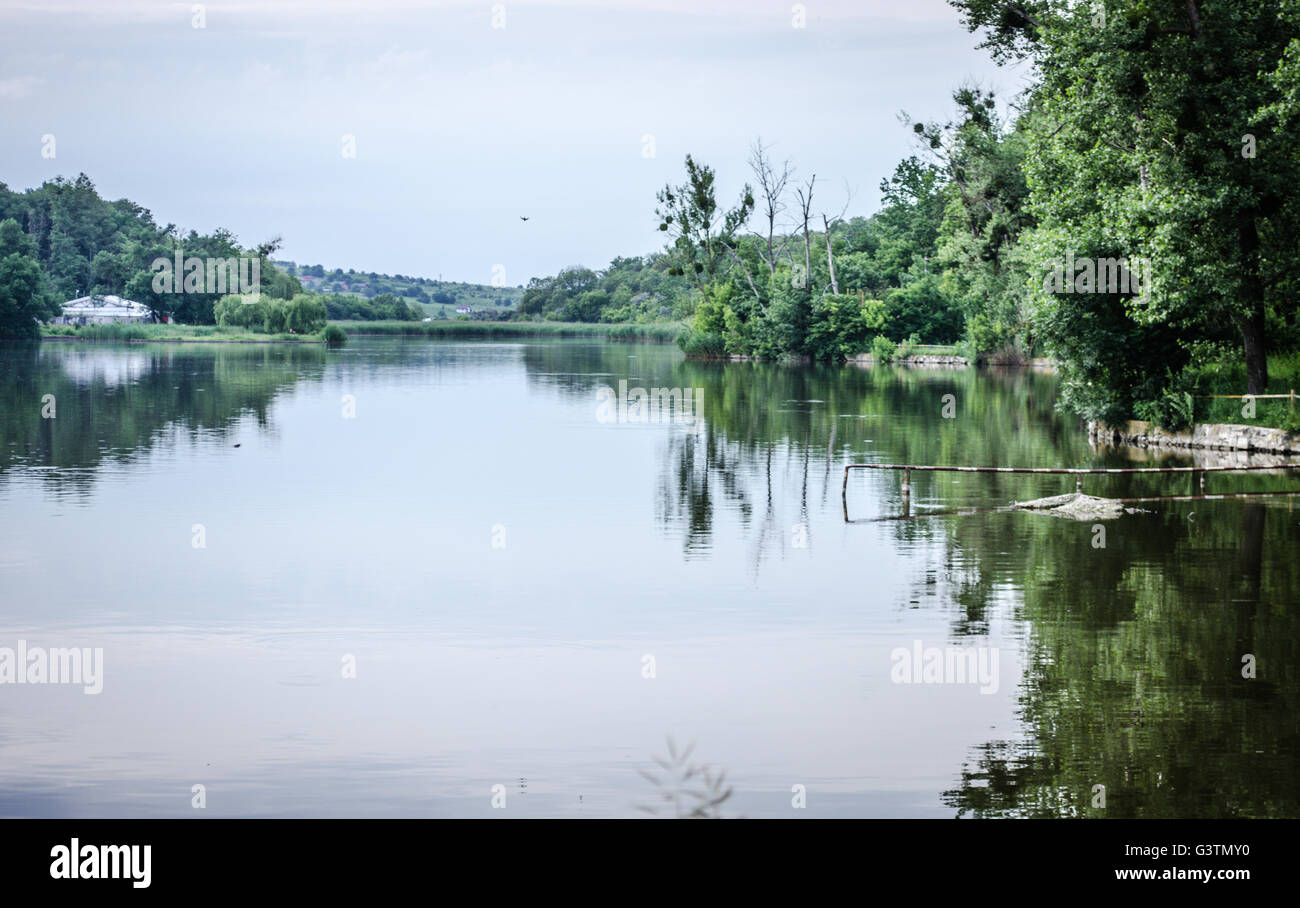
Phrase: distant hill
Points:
(432, 295)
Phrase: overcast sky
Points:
(573, 113)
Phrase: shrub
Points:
(335, 336)
(702, 343)
(304, 314)
(908, 347)
(840, 325)
(276, 318)
(234, 311)
(985, 336)
(882, 349)
(1172, 410)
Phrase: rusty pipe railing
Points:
(1077, 472)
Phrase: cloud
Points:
(180, 10)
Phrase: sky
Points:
(411, 138)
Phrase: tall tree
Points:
(1158, 144)
(772, 181)
(23, 298)
(701, 230)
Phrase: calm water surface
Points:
(504, 570)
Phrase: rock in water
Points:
(1077, 506)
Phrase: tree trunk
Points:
(1252, 324)
(1252, 337)
(807, 253)
(830, 259)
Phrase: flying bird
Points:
(522, 218)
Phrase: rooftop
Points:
(99, 304)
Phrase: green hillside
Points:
(436, 297)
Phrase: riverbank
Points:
(1204, 436)
(951, 360)
(170, 334)
(656, 332)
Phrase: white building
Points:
(103, 310)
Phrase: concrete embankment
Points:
(952, 361)
(1208, 436)
(921, 359)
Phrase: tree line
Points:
(62, 241)
(1159, 136)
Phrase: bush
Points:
(304, 314)
(1173, 410)
(335, 336)
(840, 325)
(883, 349)
(276, 319)
(985, 336)
(702, 343)
(234, 311)
(921, 307)
(112, 332)
(907, 347)
(1219, 370)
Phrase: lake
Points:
(415, 578)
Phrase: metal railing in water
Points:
(1078, 473)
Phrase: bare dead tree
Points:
(828, 223)
(830, 257)
(772, 183)
(805, 195)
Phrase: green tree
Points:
(390, 307)
(704, 235)
(24, 301)
(1167, 135)
(304, 314)
(841, 325)
(234, 311)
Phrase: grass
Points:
(659, 332)
(334, 336)
(211, 334)
(1230, 378)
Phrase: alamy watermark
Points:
(1088, 275)
(75, 861)
(947, 665)
(234, 275)
(682, 406)
(59, 665)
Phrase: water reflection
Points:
(65, 410)
(721, 547)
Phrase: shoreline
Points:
(65, 338)
(1201, 437)
(658, 332)
(654, 332)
